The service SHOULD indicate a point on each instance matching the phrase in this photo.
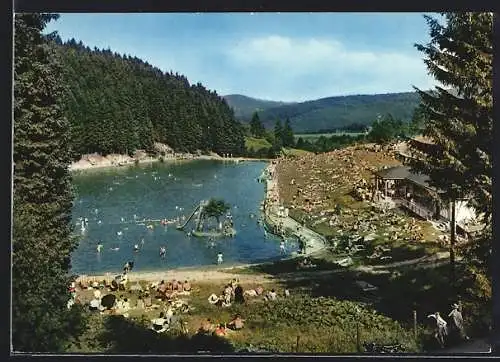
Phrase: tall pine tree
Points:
(288, 137)
(42, 198)
(459, 118)
(278, 133)
(256, 127)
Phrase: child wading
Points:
(219, 258)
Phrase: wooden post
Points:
(358, 338)
(385, 188)
(415, 324)
(297, 345)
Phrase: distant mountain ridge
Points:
(331, 112)
(245, 106)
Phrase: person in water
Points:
(136, 247)
(282, 247)
(99, 247)
(219, 258)
(163, 251)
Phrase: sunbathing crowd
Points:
(163, 296)
(108, 303)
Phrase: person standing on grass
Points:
(458, 321)
(441, 328)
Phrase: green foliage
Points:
(302, 315)
(215, 208)
(244, 107)
(115, 334)
(327, 144)
(416, 126)
(459, 120)
(342, 112)
(278, 133)
(387, 129)
(42, 198)
(288, 138)
(117, 104)
(256, 127)
(256, 143)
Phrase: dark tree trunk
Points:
(452, 244)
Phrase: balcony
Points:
(417, 209)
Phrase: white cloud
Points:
(296, 69)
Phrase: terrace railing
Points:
(418, 209)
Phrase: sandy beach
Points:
(193, 274)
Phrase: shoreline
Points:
(123, 161)
(191, 273)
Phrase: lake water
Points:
(115, 200)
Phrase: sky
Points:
(289, 57)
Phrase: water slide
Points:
(181, 227)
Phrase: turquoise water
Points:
(115, 201)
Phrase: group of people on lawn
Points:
(457, 327)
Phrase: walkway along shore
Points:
(314, 241)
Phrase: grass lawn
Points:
(256, 143)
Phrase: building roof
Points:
(404, 173)
(394, 173)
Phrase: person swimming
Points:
(99, 247)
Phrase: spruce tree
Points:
(288, 137)
(278, 132)
(42, 198)
(459, 117)
(256, 127)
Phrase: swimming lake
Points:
(116, 201)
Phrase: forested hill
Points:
(244, 106)
(117, 104)
(338, 112)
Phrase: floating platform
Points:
(212, 234)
